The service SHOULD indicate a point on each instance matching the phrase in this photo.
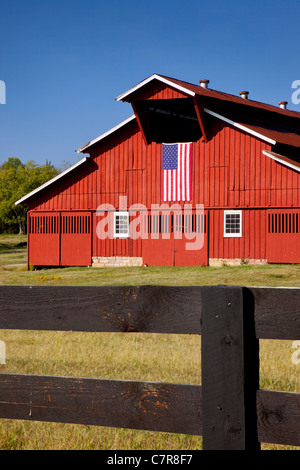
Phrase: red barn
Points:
(195, 176)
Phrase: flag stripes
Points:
(177, 172)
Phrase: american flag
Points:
(177, 172)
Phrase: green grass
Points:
(269, 275)
(13, 249)
(13, 254)
(153, 357)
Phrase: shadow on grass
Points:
(9, 247)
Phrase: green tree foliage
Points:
(17, 180)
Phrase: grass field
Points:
(165, 358)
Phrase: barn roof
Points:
(271, 123)
(196, 90)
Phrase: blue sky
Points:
(64, 62)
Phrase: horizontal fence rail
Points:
(228, 409)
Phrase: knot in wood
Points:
(228, 340)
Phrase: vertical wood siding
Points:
(252, 244)
(229, 171)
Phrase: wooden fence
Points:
(228, 409)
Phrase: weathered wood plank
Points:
(229, 371)
(230, 319)
(150, 406)
(156, 309)
(152, 309)
(278, 417)
(277, 312)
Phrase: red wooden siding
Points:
(75, 239)
(109, 246)
(60, 239)
(159, 91)
(229, 172)
(252, 244)
(173, 232)
(283, 236)
(43, 239)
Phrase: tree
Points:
(17, 180)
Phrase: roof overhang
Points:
(48, 183)
(106, 134)
(272, 133)
(240, 126)
(150, 79)
(283, 160)
(193, 90)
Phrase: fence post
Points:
(230, 369)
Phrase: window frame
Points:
(116, 215)
(237, 234)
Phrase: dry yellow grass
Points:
(150, 357)
(174, 358)
(165, 358)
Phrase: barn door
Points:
(283, 236)
(75, 239)
(43, 239)
(157, 248)
(169, 237)
(191, 249)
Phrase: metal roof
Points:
(193, 90)
(271, 123)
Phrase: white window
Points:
(121, 224)
(232, 223)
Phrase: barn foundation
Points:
(116, 261)
(217, 262)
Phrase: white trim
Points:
(240, 126)
(278, 159)
(51, 181)
(102, 136)
(240, 233)
(117, 234)
(149, 79)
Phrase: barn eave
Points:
(87, 146)
(50, 182)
